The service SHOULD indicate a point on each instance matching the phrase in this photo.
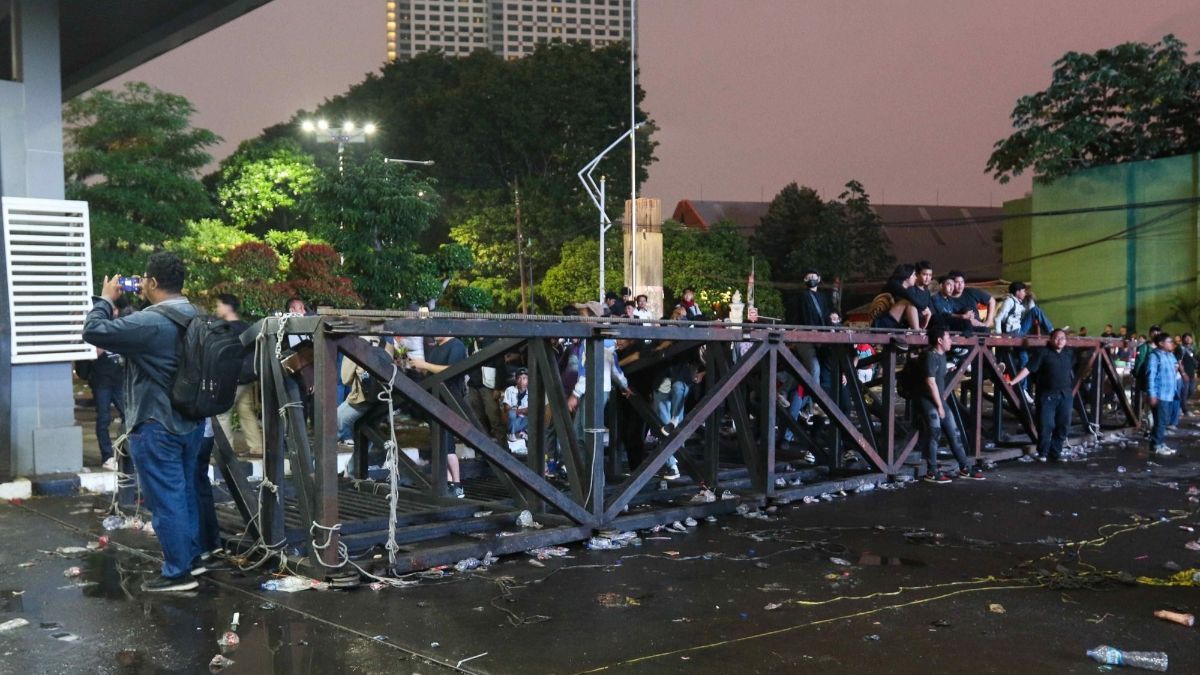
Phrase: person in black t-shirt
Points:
(1055, 368)
(969, 299)
(446, 352)
(932, 415)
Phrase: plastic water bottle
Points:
(113, 523)
(1116, 657)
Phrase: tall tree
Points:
(373, 213)
(133, 155)
(840, 237)
(1132, 102)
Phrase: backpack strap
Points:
(181, 321)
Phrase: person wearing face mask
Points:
(814, 311)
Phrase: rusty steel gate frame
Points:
(741, 362)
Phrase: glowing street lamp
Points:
(349, 132)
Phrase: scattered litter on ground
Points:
(482, 514)
(476, 563)
(871, 638)
(73, 550)
(997, 608)
(219, 663)
(293, 584)
(840, 561)
(772, 606)
(13, 623)
(1116, 657)
(435, 645)
(611, 539)
(617, 600)
(939, 623)
(525, 519)
(73, 571)
(65, 637)
(1177, 617)
(704, 497)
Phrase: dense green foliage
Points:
(715, 263)
(839, 237)
(1132, 102)
(262, 185)
(133, 155)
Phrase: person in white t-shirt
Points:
(516, 405)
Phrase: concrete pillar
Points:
(37, 406)
(650, 252)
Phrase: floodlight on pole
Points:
(348, 133)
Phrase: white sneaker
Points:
(110, 464)
(1164, 451)
(672, 473)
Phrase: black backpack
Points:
(210, 363)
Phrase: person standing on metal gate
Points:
(164, 444)
(1055, 368)
(934, 419)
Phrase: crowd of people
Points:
(137, 355)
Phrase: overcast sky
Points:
(906, 96)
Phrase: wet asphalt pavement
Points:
(1019, 573)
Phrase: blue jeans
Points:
(105, 398)
(933, 426)
(1033, 317)
(516, 423)
(1054, 419)
(670, 406)
(347, 415)
(1162, 418)
(797, 404)
(209, 533)
(166, 465)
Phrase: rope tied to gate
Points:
(393, 466)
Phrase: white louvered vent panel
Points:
(48, 256)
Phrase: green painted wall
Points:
(1081, 265)
(1017, 247)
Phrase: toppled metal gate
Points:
(330, 516)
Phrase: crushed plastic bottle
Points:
(467, 564)
(290, 584)
(113, 523)
(865, 487)
(1115, 657)
(219, 663)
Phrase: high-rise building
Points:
(509, 28)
